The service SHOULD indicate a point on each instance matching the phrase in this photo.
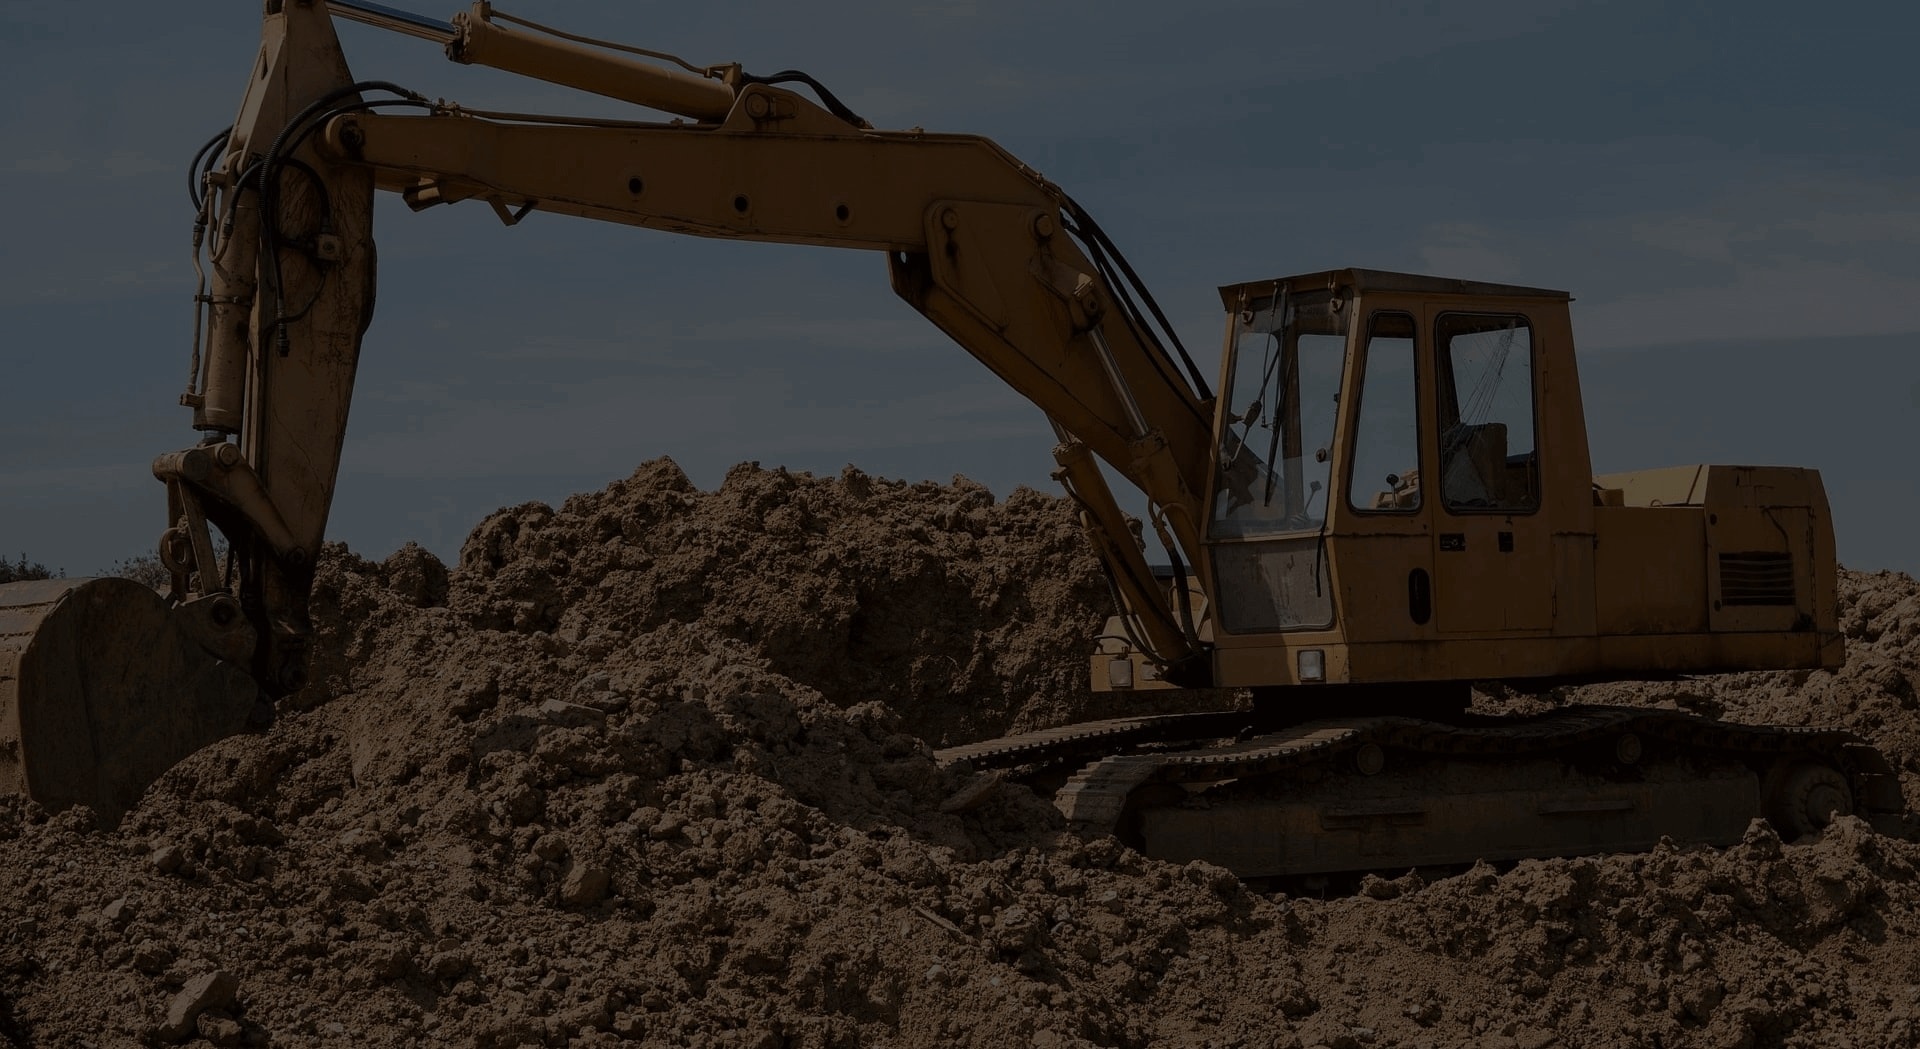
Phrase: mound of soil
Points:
(967, 617)
(655, 768)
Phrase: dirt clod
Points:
(213, 990)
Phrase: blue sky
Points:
(1731, 191)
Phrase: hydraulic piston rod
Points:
(472, 38)
(393, 18)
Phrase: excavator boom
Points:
(980, 244)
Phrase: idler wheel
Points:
(1803, 799)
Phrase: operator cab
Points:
(1390, 449)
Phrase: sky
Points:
(1730, 191)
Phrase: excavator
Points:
(1388, 500)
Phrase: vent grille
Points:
(1758, 578)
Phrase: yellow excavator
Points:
(1388, 499)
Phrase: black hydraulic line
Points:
(280, 237)
(319, 184)
(197, 169)
(1103, 252)
(1181, 598)
(1085, 220)
(321, 104)
(827, 98)
(300, 139)
(1134, 322)
(247, 182)
(278, 155)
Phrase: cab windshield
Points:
(1283, 395)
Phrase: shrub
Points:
(145, 569)
(23, 569)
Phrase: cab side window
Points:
(1386, 444)
(1488, 461)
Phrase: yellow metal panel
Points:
(1622, 656)
(1650, 569)
(1667, 486)
(1374, 599)
(1759, 486)
(1492, 574)
(1574, 610)
(1274, 660)
(1758, 575)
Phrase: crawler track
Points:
(1592, 778)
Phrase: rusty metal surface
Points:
(101, 691)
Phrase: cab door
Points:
(1492, 547)
(1385, 523)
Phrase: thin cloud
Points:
(608, 426)
(1465, 248)
(46, 162)
(885, 106)
(1691, 236)
(649, 341)
(1846, 229)
(31, 485)
(947, 9)
(126, 163)
(1789, 299)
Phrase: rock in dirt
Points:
(585, 885)
(213, 990)
(975, 792)
(167, 859)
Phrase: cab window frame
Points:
(1444, 387)
(1421, 422)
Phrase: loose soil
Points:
(655, 768)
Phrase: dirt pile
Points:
(654, 769)
(968, 617)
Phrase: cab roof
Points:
(1384, 280)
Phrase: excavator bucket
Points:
(103, 687)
